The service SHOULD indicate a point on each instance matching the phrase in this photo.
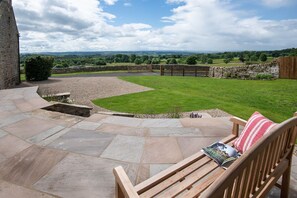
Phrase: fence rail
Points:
(288, 67)
(183, 70)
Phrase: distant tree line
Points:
(63, 61)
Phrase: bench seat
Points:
(252, 175)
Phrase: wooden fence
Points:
(288, 67)
(183, 70)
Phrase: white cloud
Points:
(54, 25)
(110, 2)
(277, 3)
(127, 4)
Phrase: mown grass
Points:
(276, 99)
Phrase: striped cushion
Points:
(256, 127)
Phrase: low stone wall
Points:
(88, 69)
(245, 72)
(79, 110)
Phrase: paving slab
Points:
(169, 131)
(215, 131)
(23, 105)
(96, 118)
(205, 122)
(30, 165)
(161, 150)
(125, 148)
(83, 141)
(86, 125)
(13, 119)
(80, 176)
(11, 145)
(123, 121)
(161, 123)
(52, 138)
(29, 127)
(192, 145)
(10, 190)
(2, 133)
(123, 130)
(44, 135)
(143, 173)
(157, 168)
(65, 120)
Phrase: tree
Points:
(138, 61)
(209, 61)
(156, 61)
(263, 57)
(191, 60)
(241, 58)
(171, 61)
(132, 58)
(254, 58)
(203, 59)
(227, 60)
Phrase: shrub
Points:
(264, 77)
(100, 62)
(227, 60)
(191, 60)
(263, 57)
(38, 68)
(209, 61)
(138, 61)
(171, 61)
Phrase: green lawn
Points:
(275, 99)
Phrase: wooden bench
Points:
(252, 175)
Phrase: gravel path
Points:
(85, 89)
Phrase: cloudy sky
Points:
(191, 25)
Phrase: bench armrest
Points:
(124, 187)
(236, 122)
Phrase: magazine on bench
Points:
(222, 153)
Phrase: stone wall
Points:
(9, 47)
(245, 72)
(144, 68)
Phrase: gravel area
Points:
(85, 89)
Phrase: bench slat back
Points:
(266, 160)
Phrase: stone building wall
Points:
(9, 47)
(245, 72)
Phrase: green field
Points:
(276, 99)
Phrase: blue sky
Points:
(189, 25)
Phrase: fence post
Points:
(183, 70)
(171, 70)
(195, 71)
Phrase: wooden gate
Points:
(288, 67)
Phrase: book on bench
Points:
(221, 153)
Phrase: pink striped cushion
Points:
(256, 127)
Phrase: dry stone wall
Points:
(9, 47)
(245, 72)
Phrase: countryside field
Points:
(275, 99)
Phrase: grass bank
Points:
(275, 99)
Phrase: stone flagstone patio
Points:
(49, 154)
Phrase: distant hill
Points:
(106, 53)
